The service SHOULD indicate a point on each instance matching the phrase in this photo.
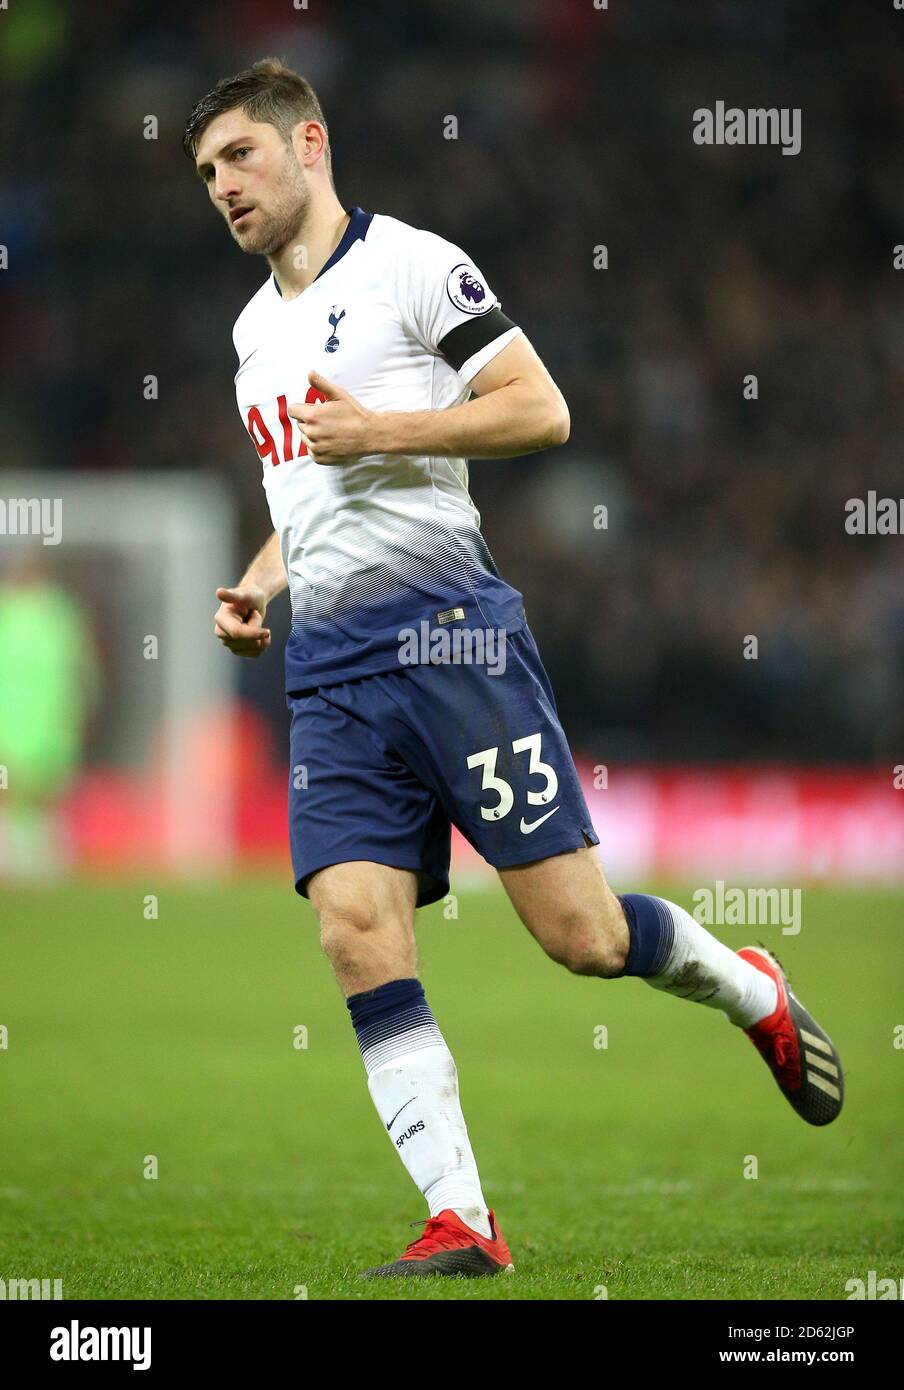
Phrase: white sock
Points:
(430, 1133)
(699, 967)
(413, 1083)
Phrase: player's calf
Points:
(566, 903)
(587, 941)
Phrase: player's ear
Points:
(308, 142)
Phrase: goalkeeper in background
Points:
(48, 683)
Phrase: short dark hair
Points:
(267, 91)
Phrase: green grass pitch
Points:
(617, 1168)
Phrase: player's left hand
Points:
(337, 429)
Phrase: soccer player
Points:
(47, 693)
(373, 361)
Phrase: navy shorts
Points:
(383, 766)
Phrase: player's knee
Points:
(343, 926)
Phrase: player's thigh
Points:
(569, 908)
(366, 915)
(352, 800)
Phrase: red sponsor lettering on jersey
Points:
(263, 439)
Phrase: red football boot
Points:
(448, 1246)
(800, 1054)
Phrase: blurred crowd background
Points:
(725, 515)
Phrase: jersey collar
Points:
(355, 231)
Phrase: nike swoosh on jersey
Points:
(527, 828)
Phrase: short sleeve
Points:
(450, 308)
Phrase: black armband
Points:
(462, 342)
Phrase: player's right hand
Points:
(238, 622)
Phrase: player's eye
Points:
(242, 149)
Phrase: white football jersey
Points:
(403, 321)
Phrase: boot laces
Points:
(436, 1235)
(779, 1048)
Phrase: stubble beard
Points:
(280, 225)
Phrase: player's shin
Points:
(674, 953)
(412, 1080)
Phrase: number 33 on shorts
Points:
(490, 782)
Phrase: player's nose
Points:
(225, 188)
